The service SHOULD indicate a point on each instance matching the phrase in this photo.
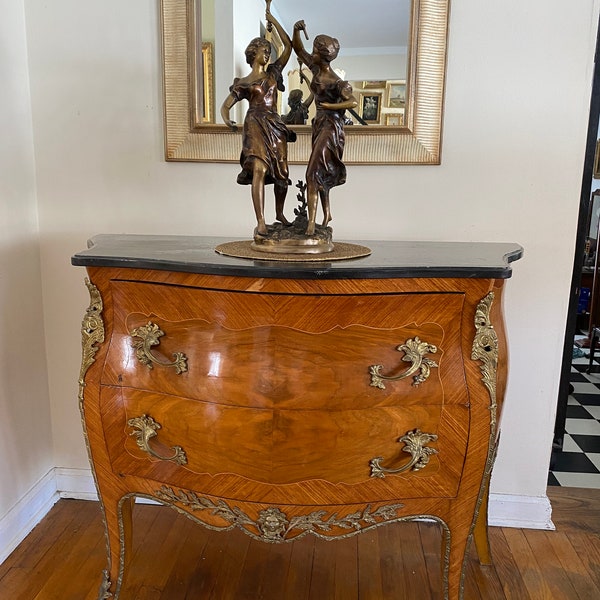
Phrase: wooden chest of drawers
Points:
(294, 399)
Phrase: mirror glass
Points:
(393, 52)
(374, 54)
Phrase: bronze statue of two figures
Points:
(265, 137)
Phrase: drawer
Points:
(180, 439)
(288, 352)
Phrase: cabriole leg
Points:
(118, 522)
(453, 554)
(480, 532)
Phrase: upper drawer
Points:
(271, 350)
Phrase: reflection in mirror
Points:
(394, 59)
(373, 59)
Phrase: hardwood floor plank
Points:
(322, 584)
(394, 584)
(277, 567)
(413, 560)
(531, 573)
(13, 582)
(486, 581)
(202, 579)
(472, 590)
(42, 538)
(183, 569)
(484, 577)
(300, 569)
(431, 542)
(45, 559)
(83, 558)
(151, 528)
(587, 547)
(169, 540)
(253, 573)
(346, 568)
(228, 571)
(505, 565)
(545, 555)
(572, 566)
(370, 586)
(575, 509)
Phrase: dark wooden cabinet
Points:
(288, 400)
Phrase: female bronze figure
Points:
(333, 97)
(265, 136)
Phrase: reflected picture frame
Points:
(369, 107)
(373, 85)
(207, 92)
(395, 94)
(201, 95)
(394, 119)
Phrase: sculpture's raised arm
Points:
(298, 46)
(281, 60)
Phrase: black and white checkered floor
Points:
(578, 465)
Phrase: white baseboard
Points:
(26, 514)
(522, 512)
(77, 484)
(505, 510)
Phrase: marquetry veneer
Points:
(292, 399)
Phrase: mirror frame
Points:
(418, 142)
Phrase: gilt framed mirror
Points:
(202, 51)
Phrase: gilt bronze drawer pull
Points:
(148, 336)
(416, 446)
(146, 428)
(415, 351)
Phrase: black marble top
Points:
(387, 260)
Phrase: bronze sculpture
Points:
(333, 97)
(265, 136)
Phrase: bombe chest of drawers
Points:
(292, 399)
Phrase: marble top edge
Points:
(392, 258)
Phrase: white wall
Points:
(25, 434)
(516, 112)
(372, 67)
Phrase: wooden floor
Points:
(175, 559)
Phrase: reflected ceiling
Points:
(387, 22)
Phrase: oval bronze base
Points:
(245, 249)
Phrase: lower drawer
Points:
(184, 442)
